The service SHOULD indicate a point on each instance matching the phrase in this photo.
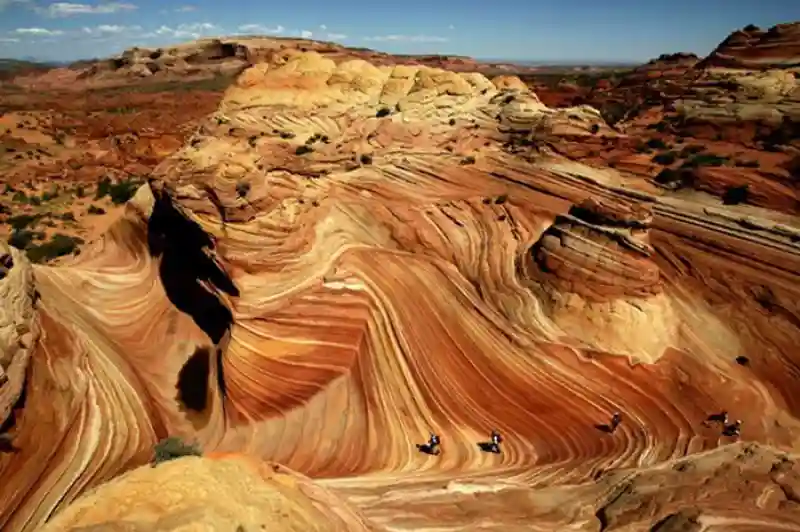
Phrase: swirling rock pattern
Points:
(346, 257)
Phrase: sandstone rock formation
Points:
(347, 256)
(753, 48)
(225, 56)
(229, 492)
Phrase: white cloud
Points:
(335, 36)
(185, 9)
(185, 31)
(306, 34)
(68, 9)
(407, 38)
(8, 40)
(37, 31)
(451, 27)
(261, 29)
(104, 29)
(323, 27)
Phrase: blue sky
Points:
(561, 30)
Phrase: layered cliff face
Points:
(754, 48)
(345, 257)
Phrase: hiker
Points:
(495, 444)
(733, 429)
(721, 418)
(616, 419)
(432, 447)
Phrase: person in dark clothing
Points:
(432, 447)
(733, 429)
(721, 418)
(496, 438)
(616, 419)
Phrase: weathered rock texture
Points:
(351, 256)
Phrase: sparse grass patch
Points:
(22, 221)
(172, 448)
(705, 159)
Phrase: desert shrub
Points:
(594, 129)
(51, 194)
(95, 210)
(705, 159)
(736, 195)
(613, 112)
(19, 197)
(303, 149)
(80, 192)
(501, 199)
(746, 163)
(469, 159)
(383, 111)
(103, 188)
(173, 447)
(21, 221)
(675, 178)
(657, 144)
(665, 158)
(452, 121)
(58, 246)
(691, 149)
(366, 159)
(21, 239)
(68, 217)
(123, 190)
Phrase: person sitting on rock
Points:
(432, 447)
(616, 419)
(495, 442)
(733, 429)
(721, 418)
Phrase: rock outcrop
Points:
(227, 492)
(753, 48)
(339, 261)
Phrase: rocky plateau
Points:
(340, 254)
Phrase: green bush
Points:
(173, 447)
(122, 191)
(657, 144)
(21, 239)
(21, 221)
(705, 159)
(58, 246)
(665, 158)
(103, 188)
